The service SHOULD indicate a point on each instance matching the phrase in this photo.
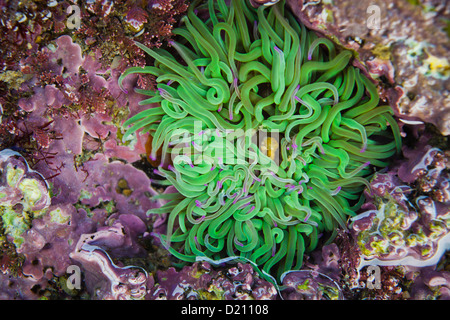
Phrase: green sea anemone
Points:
(271, 133)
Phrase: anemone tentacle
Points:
(279, 134)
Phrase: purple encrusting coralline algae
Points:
(46, 234)
(104, 279)
(407, 221)
(81, 174)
